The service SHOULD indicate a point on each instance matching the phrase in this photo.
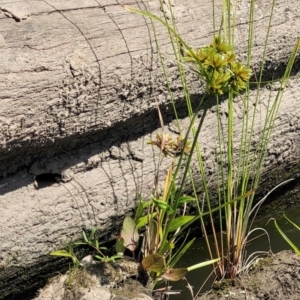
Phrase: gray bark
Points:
(79, 82)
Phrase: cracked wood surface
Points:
(69, 68)
(78, 85)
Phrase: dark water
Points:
(198, 252)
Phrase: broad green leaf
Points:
(120, 245)
(142, 221)
(154, 263)
(163, 205)
(61, 253)
(180, 221)
(160, 204)
(170, 211)
(175, 274)
(129, 233)
(185, 199)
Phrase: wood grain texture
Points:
(78, 67)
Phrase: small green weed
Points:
(94, 243)
(70, 254)
(91, 241)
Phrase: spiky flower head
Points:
(218, 83)
(182, 145)
(164, 142)
(168, 146)
(220, 45)
(241, 76)
(216, 64)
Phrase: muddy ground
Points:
(274, 278)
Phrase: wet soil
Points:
(273, 278)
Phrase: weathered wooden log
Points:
(79, 83)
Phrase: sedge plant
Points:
(238, 165)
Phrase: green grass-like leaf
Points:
(203, 264)
(63, 253)
(291, 244)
